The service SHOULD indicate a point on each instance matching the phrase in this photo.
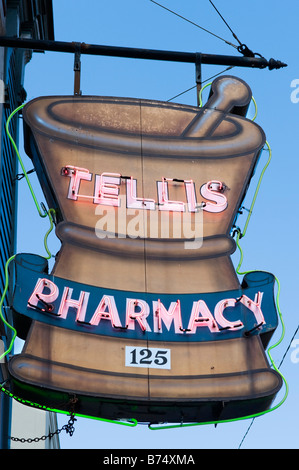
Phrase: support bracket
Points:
(198, 76)
(77, 69)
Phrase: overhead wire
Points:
(289, 345)
(234, 35)
(207, 80)
(279, 366)
(207, 31)
(242, 47)
(195, 24)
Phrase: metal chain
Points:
(68, 428)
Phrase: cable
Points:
(182, 93)
(195, 24)
(242, 47)
(207, 80)
(289, 345)
(240, 235)
(248, 429)
(271, 347)
(234, 35)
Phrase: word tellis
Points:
(46, 293)
(106, 191)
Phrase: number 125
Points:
(148, 357)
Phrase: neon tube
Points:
(107, 302)
(213, 192)
(164, 203)
(133, 202)
(67, 302)
(107, 189)
(131, 315)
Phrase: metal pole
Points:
(5, 425)
(136, 53)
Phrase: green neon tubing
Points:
(239, 235)
(45, 214)
(255, 107)
(210, 83)
(130, 423)
(279, 313)
(200, 93)
(1, 311)
(42, 214)
(50, 213)
(270, 358)
(133, 422)
(257, 190)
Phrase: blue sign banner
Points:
(215, 316)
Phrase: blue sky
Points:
(267, 28)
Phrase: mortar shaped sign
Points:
(143, 315)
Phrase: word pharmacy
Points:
(186, 316)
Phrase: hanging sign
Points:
(142, 315)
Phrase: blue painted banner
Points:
(215, 316)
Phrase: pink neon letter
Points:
(106, 189)
(213, 191)
(191, 195)
(200, 307)
(38, 292)
(172, 314)
(254, 306)
(106, 310)
(220, 307)
(67, 302)
(164, 203)
(76, 174)
(132, 315)
(134, 202)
